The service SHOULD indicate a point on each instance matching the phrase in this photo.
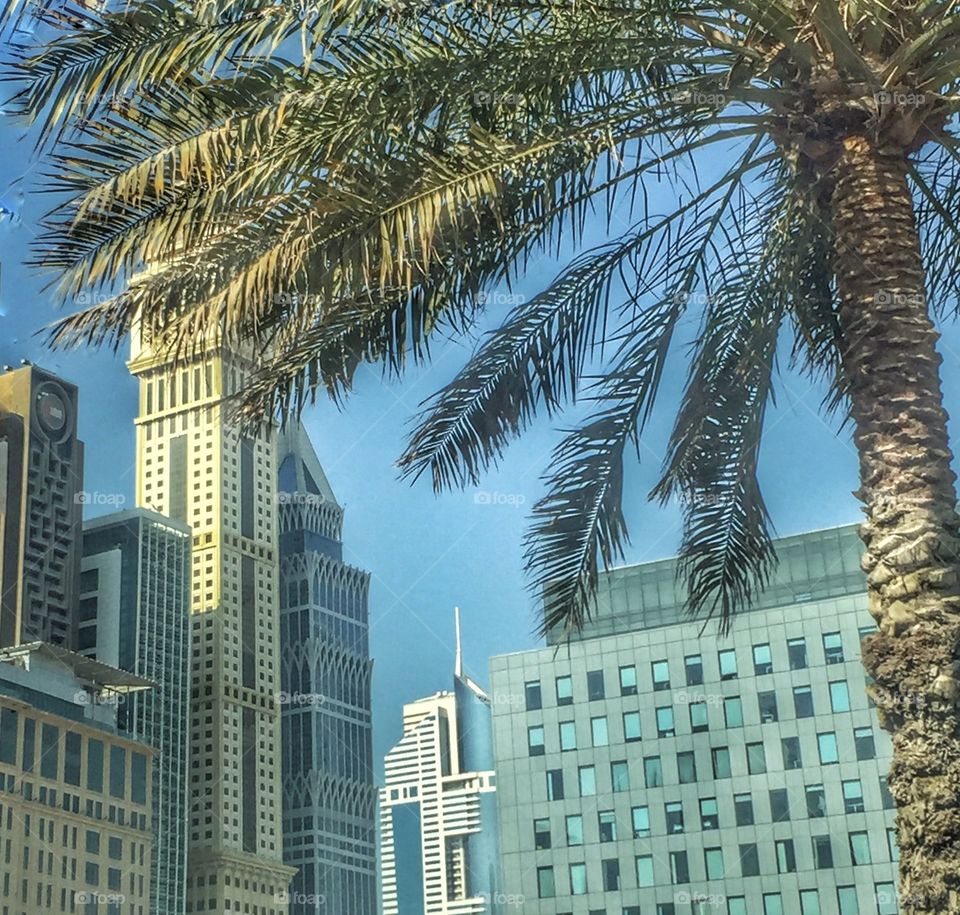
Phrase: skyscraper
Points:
(41, 473)
(135, 615)
(438, 823)
(329, 797)
(194, 466)
(643, 769)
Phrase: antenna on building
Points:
(458, 669)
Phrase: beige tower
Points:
(192, 466)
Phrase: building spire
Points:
(458, 668)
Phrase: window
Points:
(679, 867)
(749, 860)
(640, 818)
(118, 773)
(767, 701)
(832, 648)
(809, 902)
(779, 805)
(886, 894)
(546, 887)
(893, 850)
(736, 905)
(786, 856)
(49, 752)
(797, 653)
(756, 759)
(674, 816)
(852, 796)
(859, 848)
(822, 853)
(568, 735)
(762, 660)
(693, 667)
(541, 833)
(595, 688)
(578, 879)
(687, 767)
(727, 660)
(660, 672)
(864, 743)
(698, 717)
(709, 815)
(533, 695)
(620, 775)
(743, 808)
(847, 900)
(598, 731)
(628, 680)
(772, 904)
(644, 870)
(816, 801)
(71, 758)
(666, 908)
(733, 712)
(611, 874)
(554, 784)
(564, 690)
(713, 863)
(839, 696)
(535, 746)
(631, 726)
(587, 776)
(803, 701)
(91, 842)
(665, 727)
(827, 745)
(95, 765)
(652, 772)
(885, 796)
(792, 757)
(574, 829)
(720, 756)
(607, 825)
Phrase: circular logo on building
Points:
(53, 413)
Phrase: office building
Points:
(76, 831)
(41, 473)
(644, 769)
(329, 797)
(135, 616)
(438, 823)
(195, 466)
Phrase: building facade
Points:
(76, 830)
(41, 491)
(134, 614)
(438, 821)
(194, 466)
(643, 769)
(329, 796)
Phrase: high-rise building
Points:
(194, 466)
(75, 805)
(642, 768)
(329, 797)
(135, 615)
(438, 820)
(41, 474)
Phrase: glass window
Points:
(736, 905)
(541, 833)
(29, 744)
(893, 850)
(847, 900)
(674, 815)
(839, 696)
(645, 870)
(698, 717)
(863, 741)
(832, 648)
(91, 842)
(574, 828)
(588, 780)
(660, 672)
(756, 759)
(607, 826)
(138, 778)
(792, 757)
(620, 775)
(822, 853)
(610, 867)
(118, 773)
(803, 701)
(749, 860)
(886, 894)
(779, 805)
(772, 904)
(767, 701)
(568, 735)
(816, 801)
(687, 767)
(50, 751)
(628, 680)
(727, 660)
(733, 711)
(578, 879)
(721, 762)
(709, 814)
(693, 667)
(598, 731)
(797, 653)
(665, 727)
(9, 720)
(546, 887)
(652, 772)
(71, 758)
(827, 744)
(859, 848)
(885, 796)
(762, 660)
(631, 726)
(535, 746)
(533, 695)
(94, 765)
(679, 867)
(743, 808)
(565, 690)
(640, 817)
(786, 857)
(554, 784)
(809, 902)
(713, 863)
(852, 796)
(595, 689)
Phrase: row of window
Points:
(660, 675)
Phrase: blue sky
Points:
(428, 553)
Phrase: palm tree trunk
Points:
(911, 533)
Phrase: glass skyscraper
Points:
(329, 797)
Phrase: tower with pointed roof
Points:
(329, 797)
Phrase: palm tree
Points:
(335, 184)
